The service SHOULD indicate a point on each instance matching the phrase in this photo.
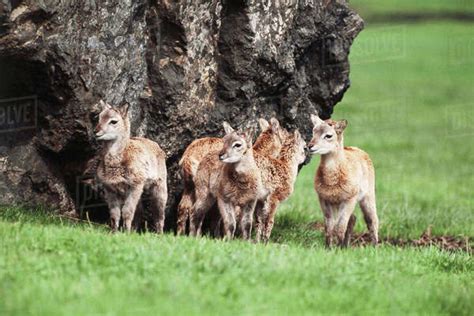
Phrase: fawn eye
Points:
(113, 122)
(237, 145)
(328, 136)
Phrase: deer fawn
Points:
(278, 177)
(206, 149)
(188, 164)
(345, 177)
(127, 167)
(235, 186)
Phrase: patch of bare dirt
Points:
(448, 243)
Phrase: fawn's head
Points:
(327, 135)
(271, 138)
(236, 144)
(113, 122)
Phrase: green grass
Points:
(48, 267)
(410, 107)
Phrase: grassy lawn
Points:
(53, 268)
(410, 107)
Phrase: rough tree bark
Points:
(184, 66)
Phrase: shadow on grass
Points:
(448, 243)
(43, 216)
(293, 229)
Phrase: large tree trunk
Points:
(184, 66)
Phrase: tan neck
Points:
(246, 163)
(116, 147)
(333, 160)
(288, 156)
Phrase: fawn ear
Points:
(248, 136)
(227, 128)
(316, 120)
(297, 135)
(103, 105)
(263, 123)
(275, 124)
(330, 122)
(123, 110)
(340, 126)
(283, 134)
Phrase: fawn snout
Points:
(222, 155)
(98, 130)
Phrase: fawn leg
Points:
(130, 205)
(114, 210)
(346, 209)
(238, 211)
(199, 210)
(329, 222)
(202, 204)
(184, 209)
(260, 216)
(270, 218)
(228, 218)
(159, 195)
(218, 228)
(246, 220)
(350, 229)
(369, 209)
(215, 221)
